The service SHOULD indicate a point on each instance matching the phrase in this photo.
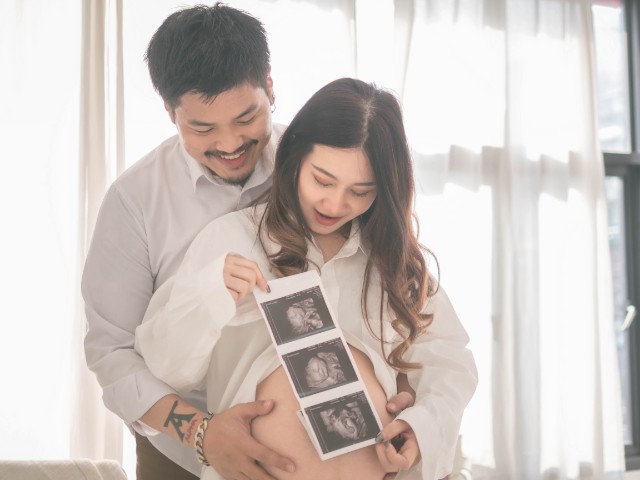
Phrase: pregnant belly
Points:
(282, 431)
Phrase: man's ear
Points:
(171, 112)
(270, 94)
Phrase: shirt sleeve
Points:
(183, 324)
(187, 314)
(444, 386)
(117, 284)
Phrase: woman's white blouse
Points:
(194, 334)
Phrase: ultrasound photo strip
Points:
(336, 408)
(297, 315)
(320, 367)
(342, 422)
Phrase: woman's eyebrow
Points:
(323, 171)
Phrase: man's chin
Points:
(233, 178)
(239, 180)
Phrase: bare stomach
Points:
(282, 431)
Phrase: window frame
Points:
(626, 166)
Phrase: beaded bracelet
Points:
(200, 431)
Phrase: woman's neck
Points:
(331, 243)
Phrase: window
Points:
(617, 30)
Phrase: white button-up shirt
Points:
(148, 218)
(193, 332)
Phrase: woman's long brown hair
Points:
(349, 113)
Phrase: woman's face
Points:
(335, 185)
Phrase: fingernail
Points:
(291, 468)
(392, 407)
(379, 438)
(268, 288)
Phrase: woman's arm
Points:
(444, 386)
(182, 325)
(185, 318)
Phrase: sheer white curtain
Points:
(96, 432)
(60, 152)
(39, 84)
(499, 105)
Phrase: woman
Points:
(341, 203)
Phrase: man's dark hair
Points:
(207, 50)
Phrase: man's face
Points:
(227, 134)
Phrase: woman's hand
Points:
(397, 447)
(241, 276)
(405, 397)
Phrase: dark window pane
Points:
(614, 187)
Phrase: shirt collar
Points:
(349, 248)
(196, 170)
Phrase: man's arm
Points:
(173, 416)
(183, 323)
(117, 284)
(226, 440)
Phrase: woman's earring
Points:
(273, 102)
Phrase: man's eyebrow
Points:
(323, 171)
(251, 108)
(198, 123)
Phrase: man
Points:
(211, 67)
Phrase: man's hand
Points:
(233, 452)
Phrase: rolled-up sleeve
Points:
(444, 387)
(117, 284)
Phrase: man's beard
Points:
(232, 181)
(235, 181)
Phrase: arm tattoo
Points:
(177, 419)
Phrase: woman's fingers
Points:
(241, 276)
(397, 448)
(392, 429)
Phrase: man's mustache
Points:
(217, 153)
